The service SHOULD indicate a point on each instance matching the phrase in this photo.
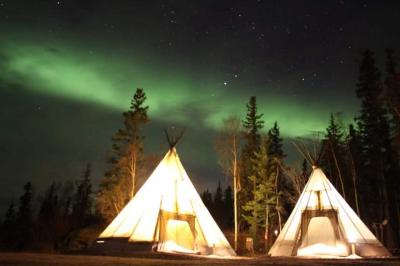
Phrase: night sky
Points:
(68, 69)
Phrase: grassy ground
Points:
(51, 259)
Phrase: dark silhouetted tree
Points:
(334, 159)
(218, 205)
(82, 200)
(24, 219)
(8, 228)
(48, 231)
(354, 150)
(228, 207)
(207, 199)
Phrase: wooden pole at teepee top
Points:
(172, 141)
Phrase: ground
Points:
(61, 260)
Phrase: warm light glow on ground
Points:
(321, 249)
(171, 246)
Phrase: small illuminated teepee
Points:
(168, 212)
(323, 224)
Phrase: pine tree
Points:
(275, 161)
(48, 230)
(334, 159)
(9, 218)
(252, 125)
(379, 164)
(118, 185)
(82, 199)
(49, 208)
(260, 208)
(252, 138)
(355, 157)
(218, 204)
(24, 221)
(275, 147)
(207, 199)
(228, 207)
(8, 228)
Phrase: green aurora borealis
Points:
(176, 93)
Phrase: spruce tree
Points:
(8, 228)
(207, 199)
(82, 200)
(49, 207)
(261, 207)
(275, 147)
(219, 205)
(354, 151)
(275, 161)
(334, 161)
(252, 125)
(49, 219)
(228, 207)
(24, 221)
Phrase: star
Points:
(225, 83)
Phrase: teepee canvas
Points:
(168, 212)
(323, 224)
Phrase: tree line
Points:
(361, 159)
(51, 220)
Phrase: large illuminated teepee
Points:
(168, 212)
(323, 224)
